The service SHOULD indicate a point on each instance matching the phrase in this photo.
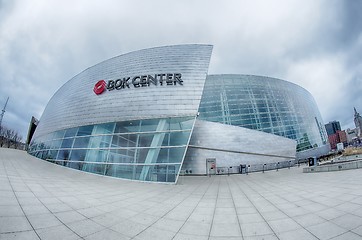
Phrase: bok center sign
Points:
(162, 79)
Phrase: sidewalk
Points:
(40, 200)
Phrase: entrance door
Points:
(210, 166)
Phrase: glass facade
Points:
(265, 104)
(144, 150)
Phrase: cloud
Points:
(316, 44)
(324, 77)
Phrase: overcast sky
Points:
(315, 44)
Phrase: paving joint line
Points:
(232, 197)
(21, 207)
(173, 209)
(256, 208)
(213, 215)
(282, 211)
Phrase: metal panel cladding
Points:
(76, 104)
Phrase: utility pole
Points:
(3, 112)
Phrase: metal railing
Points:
(248, 168)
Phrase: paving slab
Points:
(60, 232)
(40, 200)
(26, 235)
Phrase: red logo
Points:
(99, 87)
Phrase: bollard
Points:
(277, 166)
(263, 167)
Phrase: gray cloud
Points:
(316, 44)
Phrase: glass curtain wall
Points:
(266, 104)
(144, 150)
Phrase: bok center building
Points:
(152, 114)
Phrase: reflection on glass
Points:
(149, 125)
(55, 144)
(179, 138)
(67, 143)
(122, 171)
(143, 150)
(64, 154)
(52, 154)
(106, 128)
(127, 126)
(121, 155)
(81, 142)
(94, 168)
(96, 155)
(75, 165)
(85, 130)
(59, 134)
(100, 141)
(70, 132)
(126, 140)
(78, 155)
(262, 103)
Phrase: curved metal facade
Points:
(266, 104)
(75, 103)
(138, 131)
(232, 146)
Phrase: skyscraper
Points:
(332, 127)
(358, 122)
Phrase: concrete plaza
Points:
(40, 200)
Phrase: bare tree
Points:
(9, 133)
(2, 138)
(17, 140)
(9, 138)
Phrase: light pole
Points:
(3, 112)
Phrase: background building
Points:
(358, 122)
(32, 126)
(332, 127)
(352, 136)
(148, 114)
(338, 137)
